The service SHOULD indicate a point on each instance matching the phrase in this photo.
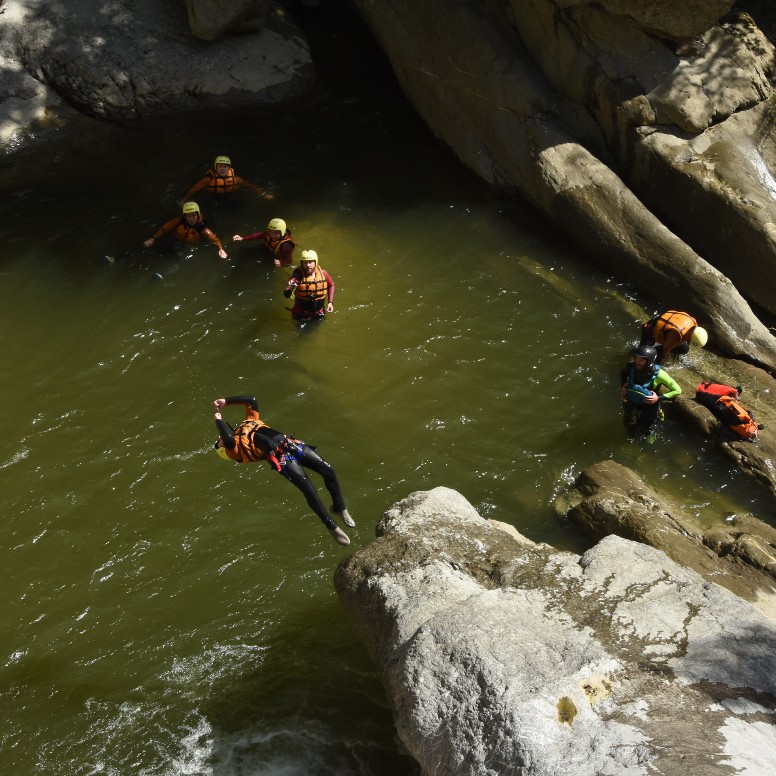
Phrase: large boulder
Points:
(131, 57)
(502, 657)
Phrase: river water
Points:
(167, 613)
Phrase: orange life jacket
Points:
(222, 184)
(275, 247)
(189, 233)
(679, 322)
(313, 287)
(246, 449)
(736, 418)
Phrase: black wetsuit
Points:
(292, 458)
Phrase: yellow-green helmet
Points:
(277, 223)
(700, 336)
(310, 255)
(190, 207)
(223, 160)
(221, 451)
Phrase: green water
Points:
(167, 613)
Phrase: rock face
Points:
(116, 60)
(642, 129)
(609, 499)
(500, 657)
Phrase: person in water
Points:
(277, 240)
(187, 228)
(672, 332)
(642, 381)
(221, 180)
(253, 440)
(312, 287)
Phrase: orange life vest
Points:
(679, 322)
(246, 449)
(189, 233)
(222, 184)
(275, 247)
(313, 287)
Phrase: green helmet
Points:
(221, 451)
(309, 255)
(277, 223)
(223, 160)
(190, 207)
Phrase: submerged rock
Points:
(499, 656)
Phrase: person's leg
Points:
(649, 418)
(293, 472)
(312, 460)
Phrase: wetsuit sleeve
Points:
(226, 433)
(198, 186)
(667, 381)
(248, 401)
(213, 237)
(254, 236)
(168, 227)
(287, 251)
(248, 185)
(330, 285)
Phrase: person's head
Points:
(191, 211)
(276, 228)
(646, 355)
(699, 337)
(309, 261)
(220, 449)
(222, 165)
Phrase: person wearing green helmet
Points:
(253, 441)
(312, 287)
(278, 241)
(641, 381)
(221, 180)
(187, 228)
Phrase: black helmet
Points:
(647, 352)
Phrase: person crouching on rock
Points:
(641, 382)
(673, 332)
(253, 440)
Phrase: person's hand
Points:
(276, 262)
(149, 242)
(651, 399)
(222, 253)
(217, 416)
(219, 403)
(329, 307)
(237, 238)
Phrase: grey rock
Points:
(498, 658)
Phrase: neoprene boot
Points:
(339, 536)
(346, 518)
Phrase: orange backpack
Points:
(732, 415)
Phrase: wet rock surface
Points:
(500, 656)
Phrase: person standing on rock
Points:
(313, 289)
(220, 180)
(641, 381)
(277, 241)
(253, 440)
(672, 332)
(187, 228)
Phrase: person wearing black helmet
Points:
(642, 381)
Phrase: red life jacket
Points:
(708, 393)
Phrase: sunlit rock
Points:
(499, 657)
